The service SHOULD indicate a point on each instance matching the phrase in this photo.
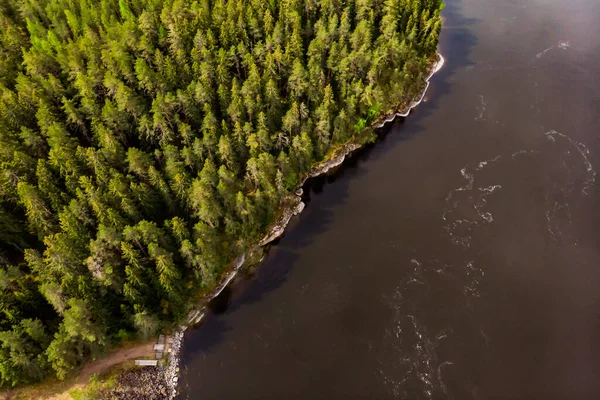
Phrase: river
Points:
(458, 257)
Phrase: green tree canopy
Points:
(144, 143)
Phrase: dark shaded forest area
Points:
(144, 143)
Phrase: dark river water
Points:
(458, 257)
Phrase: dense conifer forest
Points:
(144, 143)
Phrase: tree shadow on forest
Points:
(456, 43)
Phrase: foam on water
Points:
(583, 151)
(472, 196)
(562, 44)
(481, 109)
(573, 154)
(474, 274)
(439, 375)
(467, 209)
(541, 54)
(417, 370)
(490, 189)
(523, 152)
(465, 197)
(484, 163)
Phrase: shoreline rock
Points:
(415, 102)
(136, 384)
(279, 226)
(237, 264)
(322, 169)
(171, 373)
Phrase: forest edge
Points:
(291, 205)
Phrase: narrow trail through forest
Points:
(61, 392)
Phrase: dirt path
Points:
(60, 391)
(120, 356)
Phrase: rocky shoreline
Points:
(137, 384)
(172, 370)
(293, 205)
(415, 102)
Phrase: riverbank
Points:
(292, 205)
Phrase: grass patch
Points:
(101, 382)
